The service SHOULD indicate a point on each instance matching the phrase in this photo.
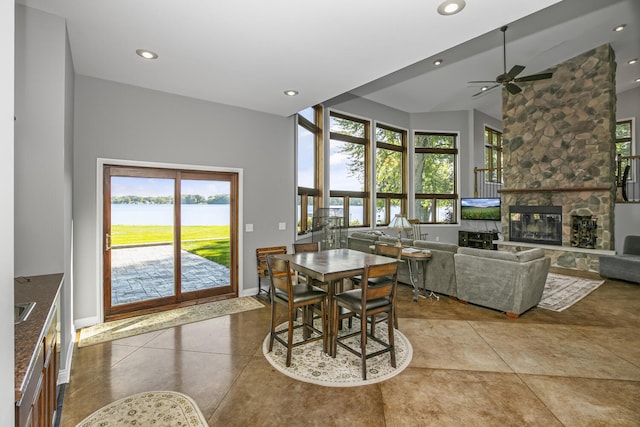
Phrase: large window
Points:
(390, 173)
(349, 166)
(435, 174)
(623, 143)
(493, 155)
(309, 167)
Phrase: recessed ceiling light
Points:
(146, 54)
(484, 88)
(632, 61)
(619, 28)
(437, 62)
(637, 80)
(291, 92)
(451, 7)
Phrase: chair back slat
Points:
(261, 257)
(383, 290)
(305, 247)
(280, 274)
(388, 250)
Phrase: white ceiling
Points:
(245, 53)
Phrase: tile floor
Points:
(471, 367)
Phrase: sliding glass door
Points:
(159, 253)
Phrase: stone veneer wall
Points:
(559, 149)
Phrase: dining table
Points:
(331, 267)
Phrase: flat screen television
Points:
(487, 209)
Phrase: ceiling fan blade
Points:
(515, 70)
(533, 77)
(482, 92)
(513, 89)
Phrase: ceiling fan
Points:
(509, 79)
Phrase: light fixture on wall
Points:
(451, 7)
(146, 54)
(399, 223)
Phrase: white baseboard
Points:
(64, 374)
(87, 321)
(249, 292)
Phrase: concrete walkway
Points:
(146, 272)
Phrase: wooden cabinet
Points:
(36, 398)
(477, 239)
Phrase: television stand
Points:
(478, 239)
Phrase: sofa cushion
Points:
(631, 245)
(523, 256)
(439, 246)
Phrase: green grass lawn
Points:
(208, 241)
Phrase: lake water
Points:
(123, 214)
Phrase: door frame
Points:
(101, 162)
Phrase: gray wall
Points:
(627, 215)
(44, 157)
(39, 142)
(7, 367)
(116, 121)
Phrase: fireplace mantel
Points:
(553, 190)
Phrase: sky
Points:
(150, 187)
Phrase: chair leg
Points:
(290, 337)
(273, 325)
(334, 333)
(325, 326)
(373, 325)
(392, 342)
(363, 344)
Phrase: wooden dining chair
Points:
(365, 302)
(294, 296)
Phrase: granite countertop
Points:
(43, 290)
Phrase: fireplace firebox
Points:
(536, 224)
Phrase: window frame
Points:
(489, 150)
(625, 140)
(435, 197)
(303, 225)
(347, 195)
(389, 196)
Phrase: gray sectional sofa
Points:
(625, 266)
(511, 282)
(441, 273)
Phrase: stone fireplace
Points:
(559, 151)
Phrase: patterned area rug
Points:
(152, 408)
(152, 322)
(561, 292)
(310, 364)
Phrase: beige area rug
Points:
(152, 408)
(153, 322)
(310, 364)
(561, 291)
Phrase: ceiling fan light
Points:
(451, 7)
